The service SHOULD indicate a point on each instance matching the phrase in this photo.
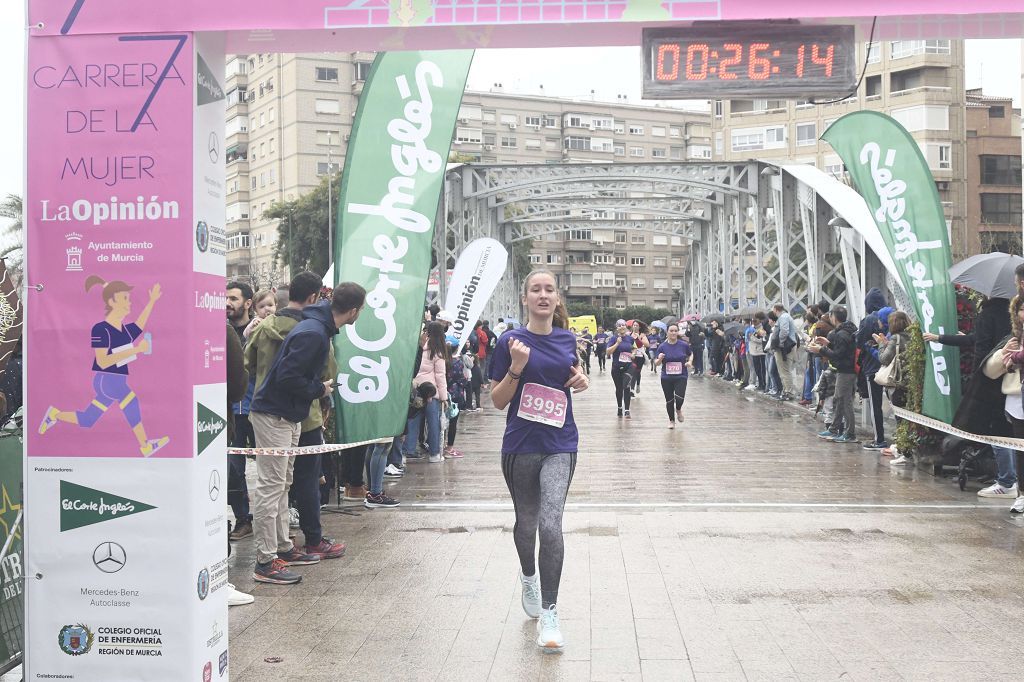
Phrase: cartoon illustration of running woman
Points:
(114, 343)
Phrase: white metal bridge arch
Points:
(756, 233)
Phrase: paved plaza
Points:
(736, 547)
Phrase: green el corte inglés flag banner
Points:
(393, 179)
(891, 174)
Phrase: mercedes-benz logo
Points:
(109, 557)
(214, 486)
(213, 147)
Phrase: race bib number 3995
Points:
(543, 405)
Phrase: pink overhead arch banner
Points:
(124, 212)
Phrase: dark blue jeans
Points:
(306, 488)
(238, 491)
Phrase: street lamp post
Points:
(291, 269)
(330, 201)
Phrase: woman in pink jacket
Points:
(432, 370)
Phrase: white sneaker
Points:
(434, 459)
(531, 594)
(236, 598)
(996, 490)
(392, 470)
(1018, 506)
(901, 461)
(293, 517)
(549, 635)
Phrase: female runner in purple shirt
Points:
(674, 356)
(532, 371)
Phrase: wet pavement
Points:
(736, 547)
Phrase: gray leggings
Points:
(539, 485)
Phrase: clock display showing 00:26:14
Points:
(696, 66)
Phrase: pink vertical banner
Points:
(109, 233)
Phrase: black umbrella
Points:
(990, 274)
(670, 319)
(732, 328)
(719, 317)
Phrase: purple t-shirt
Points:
(551, 358)
(625, 346)
(674, 352)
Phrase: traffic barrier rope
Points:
(1000, 441)
(305, 449)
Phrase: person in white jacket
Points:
(432, 370)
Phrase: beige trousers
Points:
(273, 479)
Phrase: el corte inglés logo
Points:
(209, 425)
(81, 506)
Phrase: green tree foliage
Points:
(11, 209)
(307, 246)
(908, 434)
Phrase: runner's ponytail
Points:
(93, 280)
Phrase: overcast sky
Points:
(609, 72)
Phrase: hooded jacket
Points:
(841, 349)
(874, 301)
(294, 378)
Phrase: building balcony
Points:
(931, 92)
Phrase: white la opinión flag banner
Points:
(476, 274)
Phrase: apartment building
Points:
(290, 115)
(993, 174)
(920, 83)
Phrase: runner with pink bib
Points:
(675, 357)
(533, 369)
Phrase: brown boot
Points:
(355, 493)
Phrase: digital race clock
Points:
(757, 60)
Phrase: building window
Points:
(323, 168)
(577, 142)
(660, 261)
(997, 112)
(637, 238)
(776, 135)
(620, 150)
(574, 122)
(620, 237)
(806, 134)
(326, 137)
(533, 144)
(362, 70)
(1001, 209)
(636, 130)
(469, 135)
(661, 284)
(639, 283)
(252, 182)
(510, 119)
(636, 151)
(719, 143)
(718, 108)
(508, 141)
(620, 281)
(603, 259)
(532, 121)
(552, 259)
(658, 131)
(659, 153)
(327, 73)
(909, 48)
(742, 142)
(675, 132)
(637, 260)
(1000, 170)
(270, 114)
(328, 106)
(580, 235)
(677, 261)
(238, 241)
(534, 259)
(677, 153)
(550, 122)
(874, 51)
